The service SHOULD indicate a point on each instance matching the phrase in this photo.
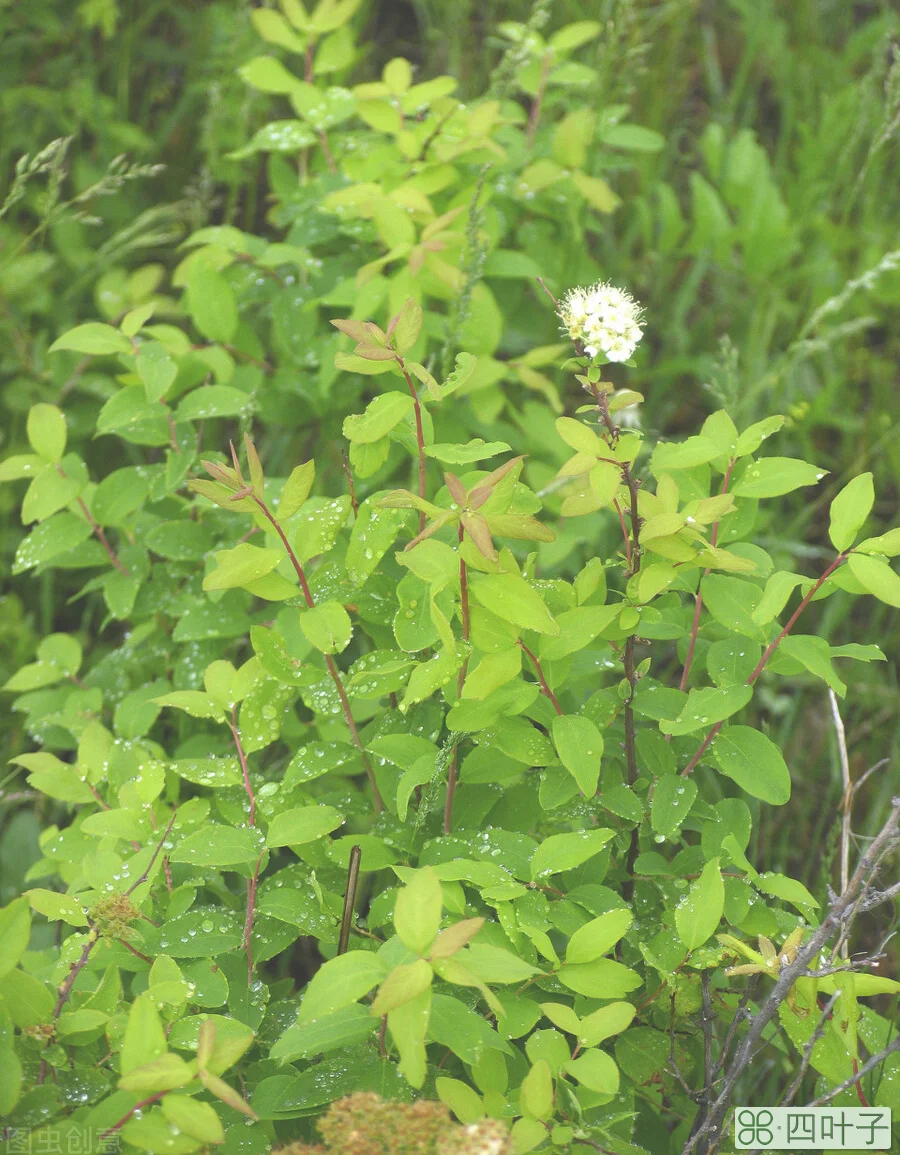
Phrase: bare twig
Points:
(842, 909)
(867, 1066)
(847, 796)
(808, 1048)
(349, 898)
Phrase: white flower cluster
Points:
(604, 319)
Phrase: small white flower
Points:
(604, 319)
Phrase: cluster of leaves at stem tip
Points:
(401, 774)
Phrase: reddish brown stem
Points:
(329, 660)
(153, 857)
(354, 504)
(102, 538)
(420, 439)
(460, 681)
(143, 957)
(236, 735)
(625, 533)
(534, 115)
(698, 600)
(248, 921)
(149, 1101)
(767, 653)
(170, 420)
(538, 669)
(74, 971)
(773, 646)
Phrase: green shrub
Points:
(415, 750)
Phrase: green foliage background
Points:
(771, 195)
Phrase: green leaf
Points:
(632, 138)
(598, 936)
(267, 74)
(788, 889)
(27, 999)
(875, 575)
(595, 191)
(156, 368)
(580, 747)
(814, 654)
(465, 1103)
(604, 1023)
(191, 1117)
(536, 1092)
(94, 338)
(193, 702)
(673, 797)
(344, 1028)
(302, 824)
(374, 532)
(320, 526)
(211, 302)
(577, 629)
(203, 932)
(327, 626)
(161, 1074)
(475, 450)
(698, 915)
(493, 964)
(753, 761)
(887, 543)
(214, 401)
(849, 511)
(57, 907)
(15, 931)
(408, 1025)
(20, 465)
(380, 416)
(603, 978)
(562, 852)
(595, 1070)
(754, 435)
(239, 566)
(408, 326)
(217, 846)
(417, 911)
(119, 495)
(144, 1039)
(510, 597)
(46, 429)
(707, 706)
(774, 476)
(404, 983)
(339, 982)
(57, 535)
(296, 490)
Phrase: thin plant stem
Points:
(420, 438)
(460, 681)
(329, 660)
(149, 1101)
(236, 735)
(248, 921)
(767, 653)
(625, 534)
(538, 669)
(534, 114)
(349, 898)
(354, 504)
(634, 565)
(698, 600)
